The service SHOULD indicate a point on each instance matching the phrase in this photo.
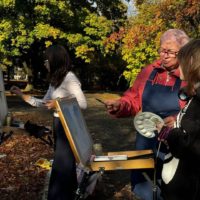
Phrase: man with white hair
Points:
(154, 90)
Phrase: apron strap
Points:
(153, 74)
(177, 83)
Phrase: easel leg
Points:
(153, 184)
(82, 186)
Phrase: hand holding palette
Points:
(145, 123)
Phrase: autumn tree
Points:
(100, 38)
(139, 41)
(183, 13)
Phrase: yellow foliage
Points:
(48, 43)
(45, 31)
(83, 51)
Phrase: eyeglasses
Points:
(170, 54)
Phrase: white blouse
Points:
(70, 87)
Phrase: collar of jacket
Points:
(198, 93)
(158, 65)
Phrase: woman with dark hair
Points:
(63, 83)
(181, 169)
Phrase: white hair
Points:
(176, 35)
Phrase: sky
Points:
(131, 8)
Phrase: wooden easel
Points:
(82, 145)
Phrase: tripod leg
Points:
(153, 184)
(155, 189)
(82, 186)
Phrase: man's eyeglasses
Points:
(171, 54)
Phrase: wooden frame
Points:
(81, 142)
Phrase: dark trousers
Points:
(63, 180)
(140, 186)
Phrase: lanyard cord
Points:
(181, 114)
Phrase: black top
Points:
(184, 144)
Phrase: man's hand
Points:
(112, 106)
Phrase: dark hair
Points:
(59, 63)
(189, 59)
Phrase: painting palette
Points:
(145, 123)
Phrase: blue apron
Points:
(161, 100)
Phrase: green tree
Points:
(27, 27)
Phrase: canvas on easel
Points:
(82, 144)
(3, 102)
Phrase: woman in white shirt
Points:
(63, 83)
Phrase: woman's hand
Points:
(163, 134)
(169, 121)
(16, 90)
(50, 104)
(159, 126)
